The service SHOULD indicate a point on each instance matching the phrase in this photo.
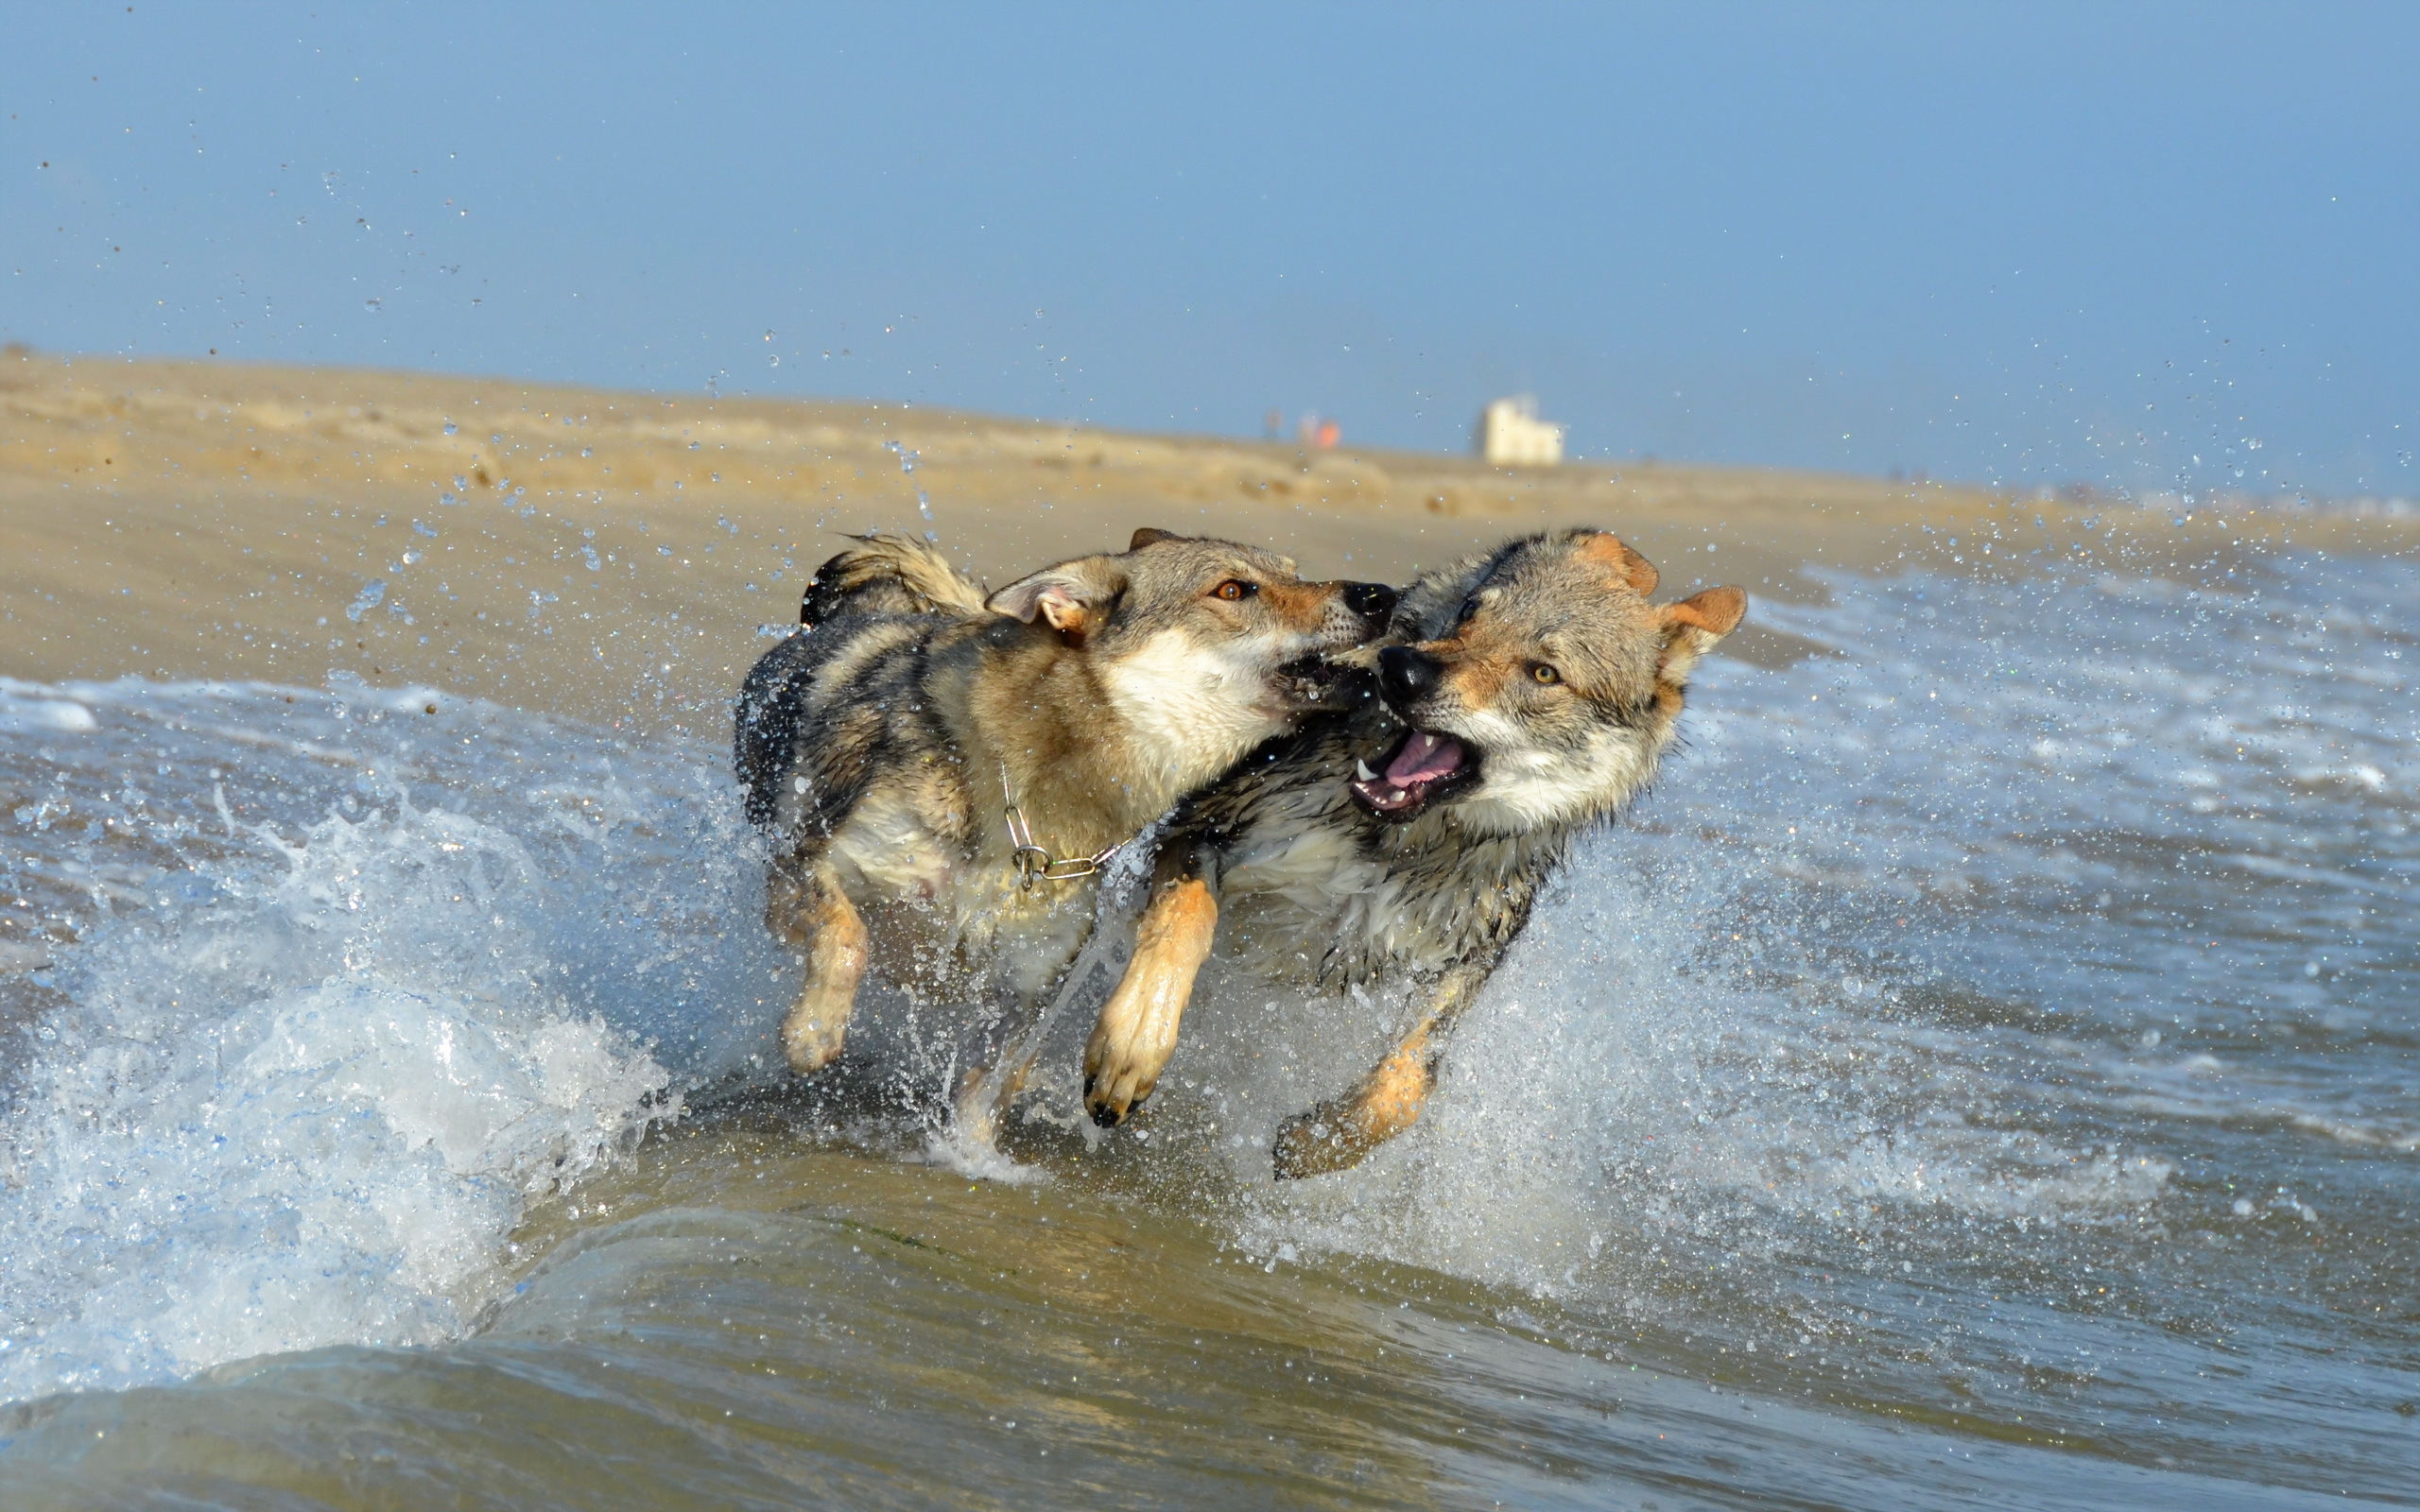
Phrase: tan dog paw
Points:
(1337, 1134)
(1136, 1032)
(985, 1094)
(814, 912)
(1123, 1063)
(1319, 1142)
(817, 1029)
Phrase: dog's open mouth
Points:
(1423, 767)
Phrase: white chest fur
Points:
(1193, 709)
(974, 910)
(894, 857)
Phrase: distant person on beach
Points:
(1319, 431)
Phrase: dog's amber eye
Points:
(1470, 607)
(1545, 673)
(1236, 588)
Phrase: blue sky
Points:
(2116, 243)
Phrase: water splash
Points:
(2000, 1012)
(301, 1076)
(908, 461)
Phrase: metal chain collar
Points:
(1034, 863)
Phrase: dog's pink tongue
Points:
(1424, 759)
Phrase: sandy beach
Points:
(611, 555)
(1984, 1059)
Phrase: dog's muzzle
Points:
(1406, 676)
(1372, 601)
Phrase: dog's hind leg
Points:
(1135, 1033)
(1337, 1134)
(986, 1093)
(809, 910)
(990, 1084)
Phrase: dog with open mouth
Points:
(1529, 694)
(941, 774)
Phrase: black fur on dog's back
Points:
(776, 718)
(886, 586)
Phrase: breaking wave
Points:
(302, 1079)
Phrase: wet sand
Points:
(609, 555)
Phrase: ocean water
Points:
(1985, 1072)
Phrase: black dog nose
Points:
(1404, 674)
(1370, 599)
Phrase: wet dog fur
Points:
(1527, 696)
(880, 746)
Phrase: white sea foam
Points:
(301, 1096)
(21, 716)
(301, 1117)
(1874, 965)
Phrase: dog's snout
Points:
(1404, 676)
(1372, 600)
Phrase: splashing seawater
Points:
(908, 461)
(2000, 1018)
(327, 1041)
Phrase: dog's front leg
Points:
(1136, 1031)
(811, 912)
(1336, 1135)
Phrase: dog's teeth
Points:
(1361, 770)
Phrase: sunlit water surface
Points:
(1985, 1072)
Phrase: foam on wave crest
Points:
(298, 1092)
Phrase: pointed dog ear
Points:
(1693, 626)
(1629, 565)
(1147, 536)
(1073, 597)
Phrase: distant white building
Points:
(1511, 435)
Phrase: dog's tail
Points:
(888, 574)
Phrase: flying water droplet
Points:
(908, 461)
